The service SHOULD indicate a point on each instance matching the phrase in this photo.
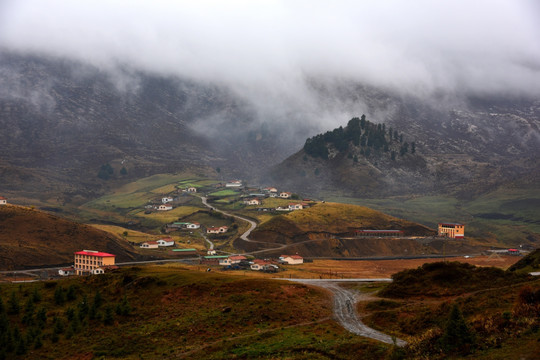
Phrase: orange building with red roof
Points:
(88, 260)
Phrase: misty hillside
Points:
(64, 123)
(422, 149)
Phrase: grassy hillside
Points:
(314, 230)
(32, 238)
(452, 310)
(530, 263)
(169, 312)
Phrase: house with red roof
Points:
(285, 194)
(149, 245)
(217, 230)
(165, 242)
(233, 259)
(88, 260)
(292, 259)
(165, 207)
(3, 200)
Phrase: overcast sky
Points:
(416, 46)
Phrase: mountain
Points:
(463, 153)
(64, 123)
(30, 238)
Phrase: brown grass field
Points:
(371, 269)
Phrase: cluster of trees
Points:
(106, 171)
(362, 133)
(27, 327)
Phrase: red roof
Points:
(237, 257)
(292, 256)
(151, 242)
(94, 253)
(261, 262)
(2, 198)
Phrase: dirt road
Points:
(345, 311)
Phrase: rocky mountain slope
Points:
(62, 122)
(460, 152)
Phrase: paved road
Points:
(252, 223)
(345, 310)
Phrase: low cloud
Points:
(270, 52)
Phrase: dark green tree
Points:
(108, 318)
(41, 318)
(123, 171)
(36, 295)
(59, 296)
(413, 147)
(457, 337)
(71, 293)
(13, 304)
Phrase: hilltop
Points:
(327, 229)
(370, 160)
(31, 238)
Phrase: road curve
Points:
(252, 224)
(345, 312)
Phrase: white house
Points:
(270, 189)
(3, 200)
(165, 207)
(285, 195)
(217, 230)
(165, 242)
(234, 259)
(292, 259)
(295, 207)
(66, 271)
(253, 201)
(191, 189)
(211, 252)
(167, 200)
(194, 225)
(150, 245)
(234, 183)
(280, 208)
(258, 264)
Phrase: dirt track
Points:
(344, 312)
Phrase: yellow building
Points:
(92, 262)
(452, 230)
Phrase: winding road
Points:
(345, 310)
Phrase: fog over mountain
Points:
(274, 55)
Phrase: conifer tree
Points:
(457, 337)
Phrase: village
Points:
(215, 230)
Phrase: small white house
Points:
(253, 201)
(3, 200)
(292, 259)
(270, 189)
(194, 225)
(234, 184)
(234, 259)
(150, 245)
(165, 207)
(211, 252)
(191, 189)
(285, 195)
(295, 207)
(167, 200)
(217, 230)
(66, 271)
(165, 242)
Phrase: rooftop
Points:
(94, 253)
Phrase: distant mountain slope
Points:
(32, 238)
(370, 160)
(63, 121)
